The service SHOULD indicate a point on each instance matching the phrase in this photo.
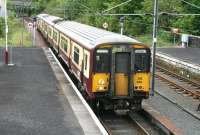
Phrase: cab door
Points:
(122, 69)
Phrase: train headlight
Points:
(101, 88)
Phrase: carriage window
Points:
(45, 26)
(49, 31)
(64, 44)
(86, 59)
(40, 22)
(76, 55)
(55, 34)
(102, 61)
(42, 25)
(142, 60)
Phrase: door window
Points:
(122, 62)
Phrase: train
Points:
(112, 70)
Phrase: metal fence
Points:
(194, 41)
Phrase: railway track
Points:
(132, 123)
(178, 83)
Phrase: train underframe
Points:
(102, 102)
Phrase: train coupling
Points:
(121, 104)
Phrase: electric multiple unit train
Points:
(113, 70)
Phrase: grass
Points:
(16, 38)
(15, 35)
(163, 40)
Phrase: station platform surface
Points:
(30, 103)
(189, 55)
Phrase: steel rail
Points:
(191, 92)
(139, 125)
(193, 82)
(102, 119)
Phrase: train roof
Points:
(88, 36)
(49, 19)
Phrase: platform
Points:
(31, 101)
(182, 58)
(189, 55)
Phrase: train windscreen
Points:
(142, 60)
(102, 61)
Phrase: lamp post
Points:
(121, 20)
(0, 10)
(34, 27)
(6, 32)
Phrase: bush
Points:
(1, 27)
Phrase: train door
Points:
(122, 69)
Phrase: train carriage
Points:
(113, 70)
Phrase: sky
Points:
(2, 9)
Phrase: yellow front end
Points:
(100, 82)
(120, 65)
(141, 82)
(121, 84)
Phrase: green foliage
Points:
(164, 39)
(184, 23)
(41, 4)
(193, 23)
(15, 29)
(1, 27)
(90, 12)
(164, 6)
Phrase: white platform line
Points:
(96, 120)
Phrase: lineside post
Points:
(198, 108)
(155, 26)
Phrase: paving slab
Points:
(87, 119)
(179, 109)
(30, 103)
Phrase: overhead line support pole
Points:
(6, 32)
(154, 43)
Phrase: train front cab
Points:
(122, 74)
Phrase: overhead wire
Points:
(118, 5)
(103, 13)
(191, 4)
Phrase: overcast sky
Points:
(2, 9)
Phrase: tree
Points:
(89, 12)
(1, 27)
(165, 6)
(193, 24)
